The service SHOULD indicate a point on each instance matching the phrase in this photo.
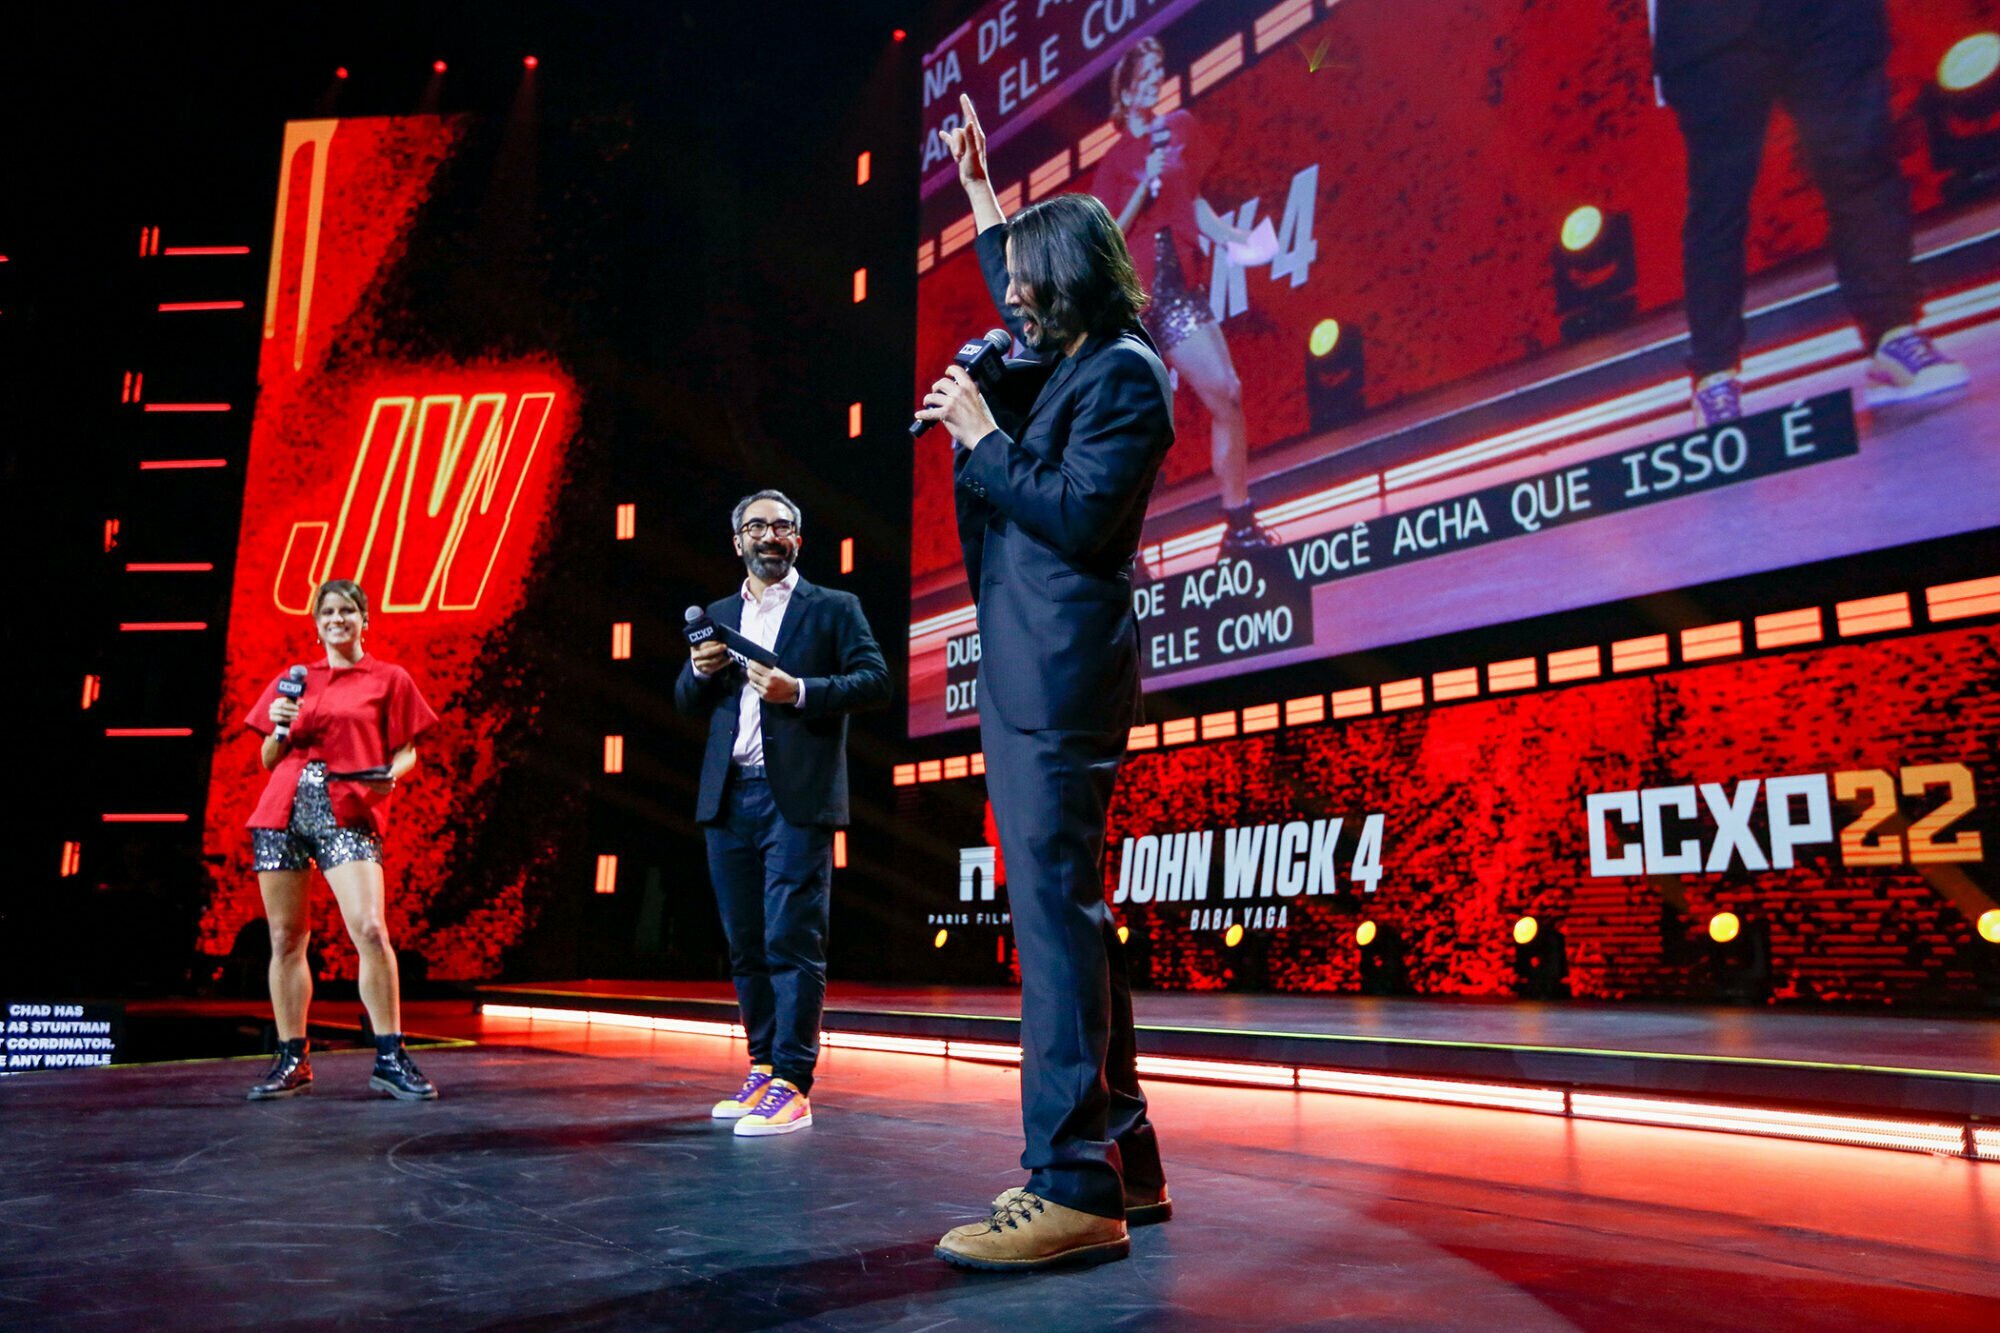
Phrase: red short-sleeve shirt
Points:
(350, 719)
(1188, 159)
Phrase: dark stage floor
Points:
(570, 1177)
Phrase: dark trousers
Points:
(1081, 1108)
(1824, 60)
(771, 882)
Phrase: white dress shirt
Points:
(762, 617)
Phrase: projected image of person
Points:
(1722, 64)
(335, 754)
(1151, 178)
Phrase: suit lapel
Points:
(1051, 388)
(803, 597)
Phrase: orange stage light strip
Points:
(860, 285)
(1357, 702)
(1706, 641)
(1957, 601)
(1010, 200)
(148, 731)
(863, 167)
(957, 766)
(1219, 1071)
(171, 307)
(93, 685)
(1783, 628)
(1500, 1096)
(621, 640)
(158, 818)
(1639, 654)
(1264, 717)
(1216, 65)
(926, 256)
(904, 775)
(1281, 21)
(1144, 738)
(1171, 96)
(1096, 144)
(1460, 684)
(1873, 615)
(840, 849)
(854, 421)
(979, 764)
(957, 236)
(191, 250)
(1934, 1137)
(930, 770)
(180, 464)
(1575, 664)
(1045, 178)
(1304, 711)
(148, 626)
(1178, 731)
(627, 522)
(187, 407)
(1403, 693)
(1517, 674)
(72, 858)
(863, 1041)
(162, 567)
(607, 873)
(1218, 726)
(614, 754)
(1861, 1131)
(847, 555)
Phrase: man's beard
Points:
(769, 563)
(1041, 334)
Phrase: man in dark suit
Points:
(1049, 517)
(773, 789)
(1721, 65)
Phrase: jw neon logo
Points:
(429, 505)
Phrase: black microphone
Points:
(292, 687)
(983, 360)
(700, 628)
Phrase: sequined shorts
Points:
(313, 836)
(1177, 308)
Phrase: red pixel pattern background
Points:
(352, 194)
(1485, 822)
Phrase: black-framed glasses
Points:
(757, 527)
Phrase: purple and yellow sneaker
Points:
(1908, 365)
(746, 1098)
(783, 1109)
(1718, 398)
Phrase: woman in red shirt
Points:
(352, 734)
(1151, 179)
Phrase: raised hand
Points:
(967, 145)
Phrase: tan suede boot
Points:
(1141, 1209)
(1026, 1231)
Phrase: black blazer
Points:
(1049, 517)
(824, 640)
(1686, 30)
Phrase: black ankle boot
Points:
(397, 1074)
(291, 1073)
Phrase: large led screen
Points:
(1446, 373)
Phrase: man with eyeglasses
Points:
(773, 790)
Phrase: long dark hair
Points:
(1070, 259)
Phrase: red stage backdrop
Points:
(1844, 796)
(430, 481)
